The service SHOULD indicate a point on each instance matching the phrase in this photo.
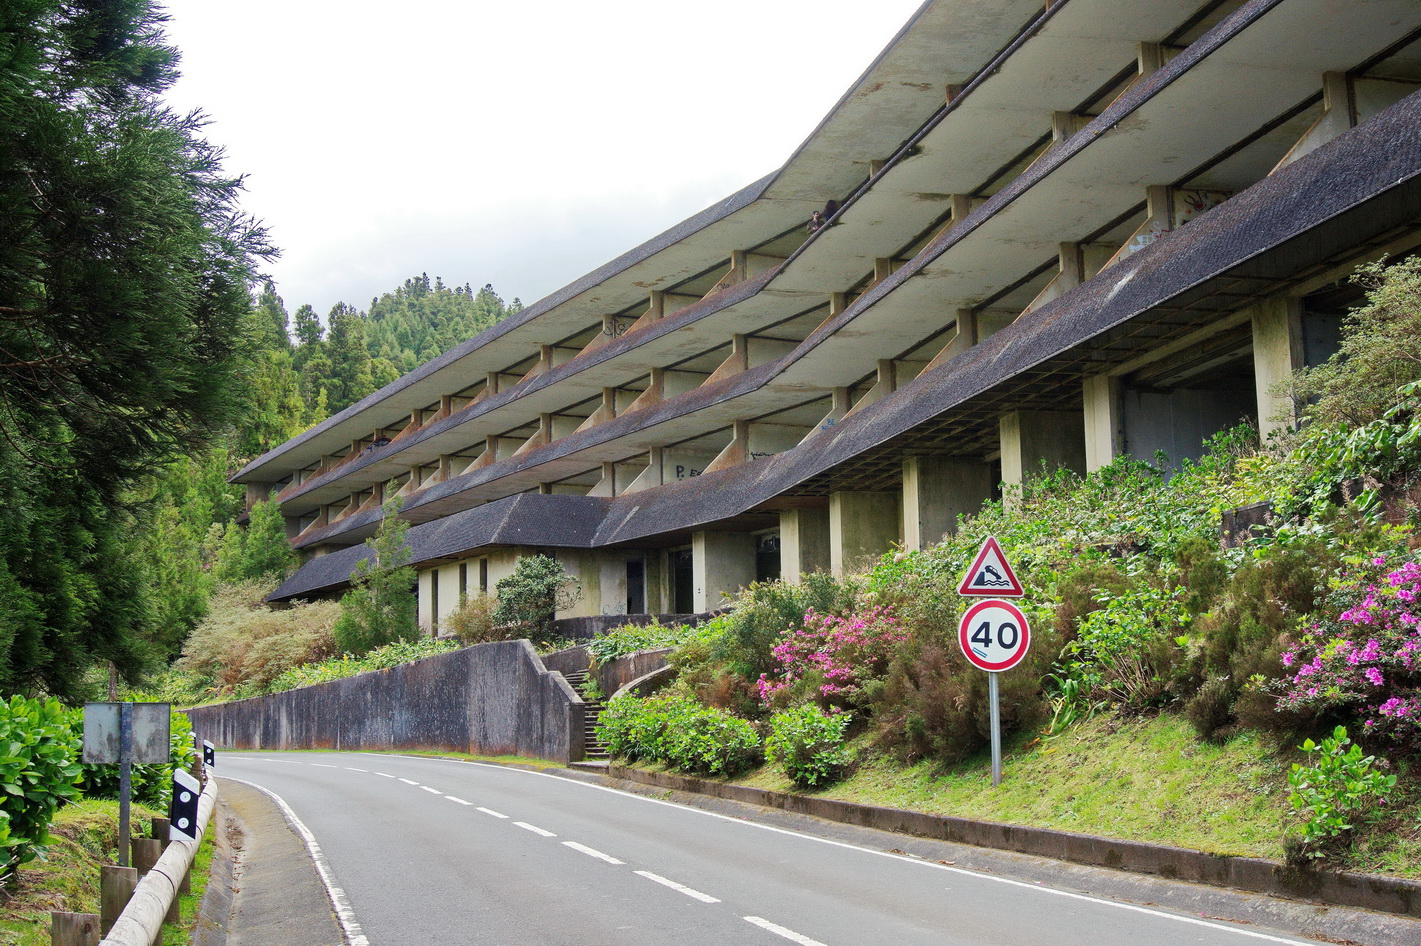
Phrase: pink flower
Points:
(1374, 675)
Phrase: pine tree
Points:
(124, 270)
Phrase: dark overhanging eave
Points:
(1364, 184)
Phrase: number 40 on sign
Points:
(994, 635)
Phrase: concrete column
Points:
(1103, 423)
(804, 543)
(936, 490)
(721, 564)
(1277, 353)
(862, 526)
(1030, 437)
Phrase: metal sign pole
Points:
(996, 730)
(125, 777)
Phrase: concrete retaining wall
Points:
(620, 671)
(1340, 888)
(491, 699)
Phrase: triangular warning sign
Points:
(991, 576)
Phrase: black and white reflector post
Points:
(209, 755)
(182, 810)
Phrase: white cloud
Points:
(521, 145)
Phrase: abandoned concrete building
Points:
(1066, 231)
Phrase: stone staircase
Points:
(595, 750)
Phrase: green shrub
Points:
(472, 622)
(1125, 650)
(629, 639)
(680, 733)
(808, 745)
(152, 784)
(245, 645)
(533, 594)
(381, 658)
(935, 705)
(39, 771)
(1334, 791)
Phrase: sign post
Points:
(129, 734)
(994, 634)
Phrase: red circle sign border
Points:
(966, 623)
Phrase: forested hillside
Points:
(138, 369)
(307, 368)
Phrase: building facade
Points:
(1060, 233)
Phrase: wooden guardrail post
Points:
(116, 886)
(175, 912)
(74, 929)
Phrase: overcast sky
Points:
(522, 144)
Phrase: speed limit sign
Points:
(994, 635)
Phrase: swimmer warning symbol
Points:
(990, 575)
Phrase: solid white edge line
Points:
(593, 852)
(434, 790)
(354, 936)
(682, 888)
(778, 930)
(994, 878)
(490, 811)
(459, 800)
(535, 829)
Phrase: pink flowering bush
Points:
(1364, 664)
(835, 656)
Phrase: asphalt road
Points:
(429, 851)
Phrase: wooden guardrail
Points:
(141, 921)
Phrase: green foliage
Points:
(40, 745)
(381, 606)
(534, 593)
(1125, 649)
(680, 733)
(1378, 353)
(151, 783)
(1334, 791)
(766, 611)
(807, 745)
(628, 639)
(472, 621)
(934, 704)
(260, 552)
(346, 665)
(243, 645)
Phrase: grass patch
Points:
(84, 837)
(1139, 779)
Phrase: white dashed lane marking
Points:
(490, 811)
(459, 800)
(778, 930)
(593, 852)
(434, 790)
(535, 829)
(694, 894)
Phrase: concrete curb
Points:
(1254, 874)
(215, 912)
